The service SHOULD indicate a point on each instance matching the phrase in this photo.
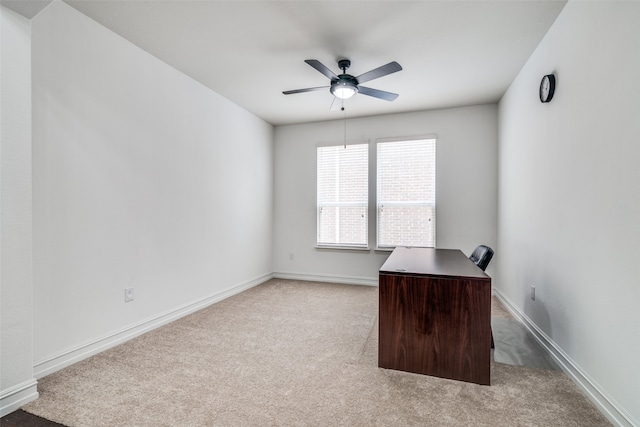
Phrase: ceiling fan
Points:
(345, 85)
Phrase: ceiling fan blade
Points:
(322, 68)
(309, 89)
(391, 67)
(387, 96)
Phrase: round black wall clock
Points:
(547, 87)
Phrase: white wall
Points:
(17, 385)
(569, 208)
(466, 169)
(143, 178)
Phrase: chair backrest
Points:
(481, 256)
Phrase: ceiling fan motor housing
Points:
(344, 83)
(345, 86)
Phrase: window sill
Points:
(343, 248)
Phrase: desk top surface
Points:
(431, 262)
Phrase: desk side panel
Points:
(436, 326)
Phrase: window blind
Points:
(406, 193)
(342, 195)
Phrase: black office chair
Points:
(481, 256)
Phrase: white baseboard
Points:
(14, 397)
(349, 280)
(605, 403)
(50, 365)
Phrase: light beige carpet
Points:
(290, 353)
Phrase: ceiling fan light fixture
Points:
(344, 89)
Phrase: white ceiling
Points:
(453, 53)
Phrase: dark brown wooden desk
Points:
(435, 315)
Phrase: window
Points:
(343, 195)
(406, 200)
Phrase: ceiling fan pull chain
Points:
(345, 125)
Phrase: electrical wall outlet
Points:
(128, 294)
(533, 293)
